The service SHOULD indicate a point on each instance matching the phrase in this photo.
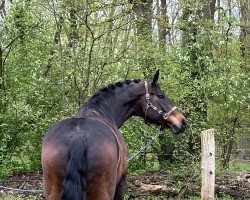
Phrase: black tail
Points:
(74, 185)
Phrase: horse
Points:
(85, 157)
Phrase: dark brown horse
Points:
(85, 157)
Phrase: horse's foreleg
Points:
(121, 188)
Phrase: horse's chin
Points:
(174, 128)
(177, 130)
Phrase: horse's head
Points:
(158, 109)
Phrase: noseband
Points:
(165, 115)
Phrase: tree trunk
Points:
(162, 19)
(2, 88)
(2, 84)
(143, 12)
(208, 9)
(245, 30)
(73, 33)
(56, 41)
(197, 66)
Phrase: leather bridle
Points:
(165, 115)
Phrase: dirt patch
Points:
(157, 184)
(236, 185)
(26, 181)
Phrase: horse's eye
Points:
(161, 96)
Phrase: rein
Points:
(144, 147)
(165, 115)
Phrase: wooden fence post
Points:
(207, 164)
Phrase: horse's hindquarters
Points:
(105, 152)
(102, 170)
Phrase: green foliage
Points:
(54, 56)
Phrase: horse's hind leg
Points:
(52, 187)
(121, 188)
(53, 172)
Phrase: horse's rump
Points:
(90, 148)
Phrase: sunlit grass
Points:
(239, 166)
(17, 197)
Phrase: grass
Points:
(17, 197)
(239, 166)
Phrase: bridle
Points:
(165, 115)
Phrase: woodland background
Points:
(54, 54)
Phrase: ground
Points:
(149, 185)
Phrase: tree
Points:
(163, 23)
(143, 14)
(195, 39)
(245, 30)
(55, 54)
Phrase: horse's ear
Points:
(156, 77)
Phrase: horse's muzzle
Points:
(179, 128)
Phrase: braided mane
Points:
(113, 87)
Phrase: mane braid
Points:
(113, 87)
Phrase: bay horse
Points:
(85, 157)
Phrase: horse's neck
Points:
(114, 108)
(116, 115)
